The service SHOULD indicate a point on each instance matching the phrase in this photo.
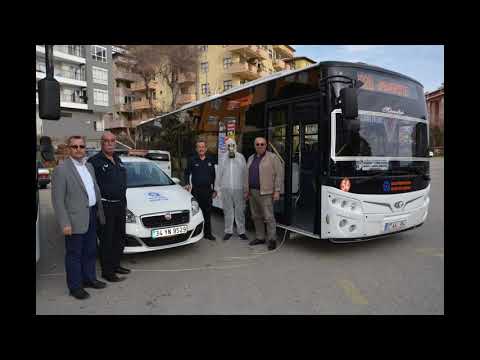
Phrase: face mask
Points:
(231, 150)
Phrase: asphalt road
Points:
(399, 274)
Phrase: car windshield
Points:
(143, 174)
(383, 136)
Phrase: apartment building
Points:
(86, 97)
(222, 67)
(299, 62)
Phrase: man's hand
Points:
(214, 195)
(67, 230)
(276, 196)
(188, 187)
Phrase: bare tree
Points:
(167, 61)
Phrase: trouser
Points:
(203, 194)
(261, 207)
(80, 255)
(112, 236)
(233, 203)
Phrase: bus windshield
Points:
(381, 135)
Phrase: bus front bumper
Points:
(349, 217)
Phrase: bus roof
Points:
(277, 75)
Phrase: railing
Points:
(68, 74)
(76, 50)
(140, 85)
(72, 98)
(139, 105)
(123, 75)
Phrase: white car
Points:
(160, 213)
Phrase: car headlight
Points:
(195, 207)
(130, 218)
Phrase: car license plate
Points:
(169, 231)
(395, 226)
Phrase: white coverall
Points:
(231, 183)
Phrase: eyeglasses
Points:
(77, 146)
(262, 144)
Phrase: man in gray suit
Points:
(77, 202)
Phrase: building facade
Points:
(435, 108)
(84, 73)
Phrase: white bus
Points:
(353, 140)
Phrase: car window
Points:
(143, 174)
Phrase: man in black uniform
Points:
(202, 169)
(112, 180)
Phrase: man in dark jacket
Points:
(201, 167)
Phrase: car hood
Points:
(154, 199)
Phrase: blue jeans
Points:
(81, 254)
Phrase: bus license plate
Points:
(395, 226)
(169, 231)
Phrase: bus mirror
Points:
(349, 104)
(49, 99)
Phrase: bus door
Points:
(293, 136)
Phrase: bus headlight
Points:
(195, 207)
(130, 217)
(346, 204)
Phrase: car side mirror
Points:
(349, 102)
(176, 180)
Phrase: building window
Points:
(203, 47)
(205, 89)
(98, 125)
(100, 76)
(227, 62)
(204, 67)
(99, 53)
(100, 97)
(227, 84)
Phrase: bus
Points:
(352, 139)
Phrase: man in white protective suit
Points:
(231, 175)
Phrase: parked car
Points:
(160, 213)
(43, 175)
(162, 158)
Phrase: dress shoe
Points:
(243, 237)
(272, 245)
(95, 284)
(210, 237)
(122, 270)
(227, 236)
(79, 294)
(113, 278)
(256, 242)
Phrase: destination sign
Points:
(373, 82)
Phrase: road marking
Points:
(431, 251)
(352, 292)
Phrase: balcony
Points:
(124, 60)
(186, 78)
(123, 107)
(72, 101)
(110, 123)
(70, 77)
(140, 85)
(279, 65)
(71, 53)
(124, 75)
(249, 51)
(284, 51)
(183, 99)
(141, 105)
(121, 92)
(243, 70)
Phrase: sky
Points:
(424, 63)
